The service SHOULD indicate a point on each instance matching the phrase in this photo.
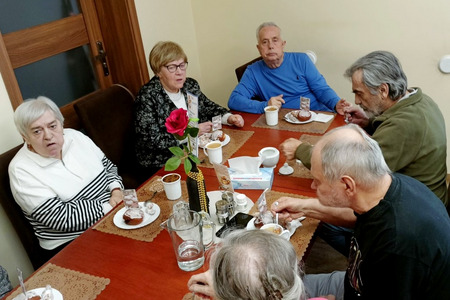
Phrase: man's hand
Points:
(341, 105)
(202, 284)
(289, 209)
(356, 116)
(277, 101)
(289, 146)
(236, 120)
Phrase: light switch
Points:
(444, 64)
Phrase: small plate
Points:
(224, 143)
(119, 222)
(38, 292)
(293, 120)
(286, 169)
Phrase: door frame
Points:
(115, 25)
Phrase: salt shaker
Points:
(222, 211)
(241, 202)
(229, 197)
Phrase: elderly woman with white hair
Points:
(62, 181)
(251, 264)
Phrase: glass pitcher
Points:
(186, 229)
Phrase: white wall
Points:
(218, 36)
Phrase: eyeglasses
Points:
(173, 68)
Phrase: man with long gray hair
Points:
(400, 248)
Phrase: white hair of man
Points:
(266, 24)
(359, 157)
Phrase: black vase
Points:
(195, 182)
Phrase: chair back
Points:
(21, 225)
(240, 70)
(107, 118)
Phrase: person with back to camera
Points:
(251, 264)
(62, 181)
(281, 78)
(400, 248)
(406, 123)
(165, 92)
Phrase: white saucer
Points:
(119, 222)
(38, 292)
(293, 120)
(224, 143)
(294, 224)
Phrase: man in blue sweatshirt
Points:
(281, 78)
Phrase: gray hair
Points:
(255, 264)
(266, 24)
(360, 158)
(380, 67)
(31, 110)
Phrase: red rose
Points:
(177, 122)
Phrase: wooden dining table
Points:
(113, 266)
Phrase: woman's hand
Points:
(204, 128)
(236, 120)
(202, 285)
(116, 197)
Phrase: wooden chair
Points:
(22, 226)
(240, 70)
(107, 118)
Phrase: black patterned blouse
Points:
(152, 107)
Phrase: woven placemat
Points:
(302, 236)
(72, 284)
(149, 232)
(299, 169)
(237, 139)
(313, 127)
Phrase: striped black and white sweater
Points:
(62, 198)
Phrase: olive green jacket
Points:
(412, 136)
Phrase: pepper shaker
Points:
(222, 211)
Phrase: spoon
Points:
(22, 285)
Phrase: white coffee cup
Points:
(172, 186)
(269, 156)
(214, 152)
(271, 115)
(277, 229)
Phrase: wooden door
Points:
(107, 28)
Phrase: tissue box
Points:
(252, 181)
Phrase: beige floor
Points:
(324, 259)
